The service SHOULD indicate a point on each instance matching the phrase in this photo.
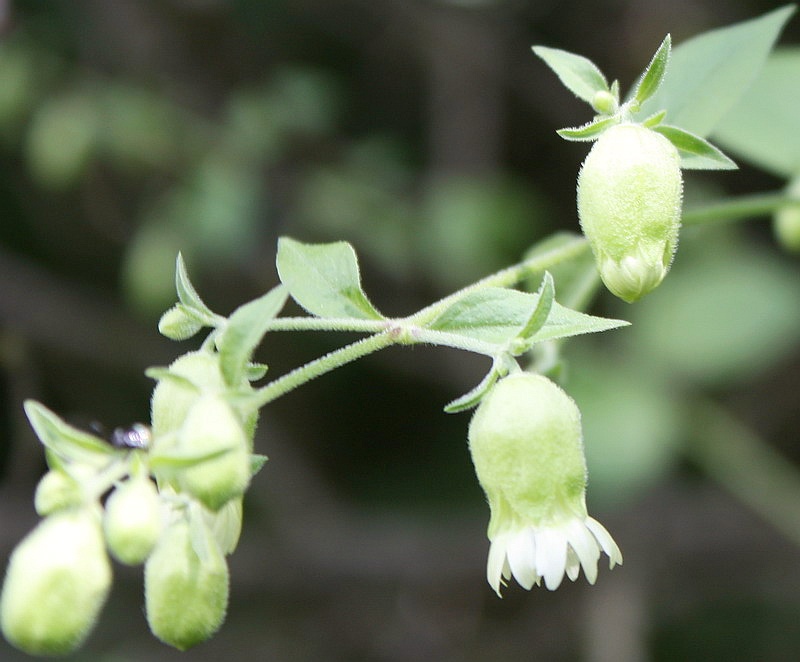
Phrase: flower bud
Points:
(786, 224)
(56, 490)
(132, 522)
(172, 399)
(527, 447)
(185, 595)
(211, 426)
(629, 204)
(57, 581)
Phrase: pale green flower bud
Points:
(57, 581)
(629, 204)
(172, 399)
(212, 425)
(56, 490)
(786, 223)
(132, 522)
(527, 447)
(186, 596)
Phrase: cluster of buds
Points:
(527, 448)
(168, 497)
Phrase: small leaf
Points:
(497, 315)
(709, 73)
(324, 279)
(187, 295)
(473, 397)
(589, 131)
(255, 371)
(257, 462)
(578, 74)
(653, 75)
(696, 152)
(67, 442)
(244, 331)
(655, 119)
(544, 305)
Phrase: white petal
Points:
(522, 558)
(573, 564)
(606, 541)
(551, 556)
(496, 563)
(586, 548)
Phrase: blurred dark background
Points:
(422, 131)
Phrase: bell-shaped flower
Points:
(527, 447)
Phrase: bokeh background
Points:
(422, 131)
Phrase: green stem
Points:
(749, 468)
(406, 331)
(736, 209)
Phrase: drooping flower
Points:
(527, 447)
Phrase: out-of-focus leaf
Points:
(763, 126)
(709, 73)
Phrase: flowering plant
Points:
(169, 495)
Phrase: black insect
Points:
(136, 436)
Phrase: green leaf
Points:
(655, 119)
(653, 75)
(67, 442)
(589, 131)
(257, 462)
(244, 331)
(497, 315)
(709, 73)
(542, 310)
(762, 127)
(188, 296)
(578, 74)
(696, 152)
(324, 279)
(474, 396)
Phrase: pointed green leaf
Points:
(65, 441)
(187, 295)
(324, 279)
(578, 74)
(653, 75)
(696, 152)
(474, 396)
(257, 462)
(655, 119)
(709, 73)
(544, 305)
(589, 131)
(762, 127)
(497, 315)
(244, 331)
